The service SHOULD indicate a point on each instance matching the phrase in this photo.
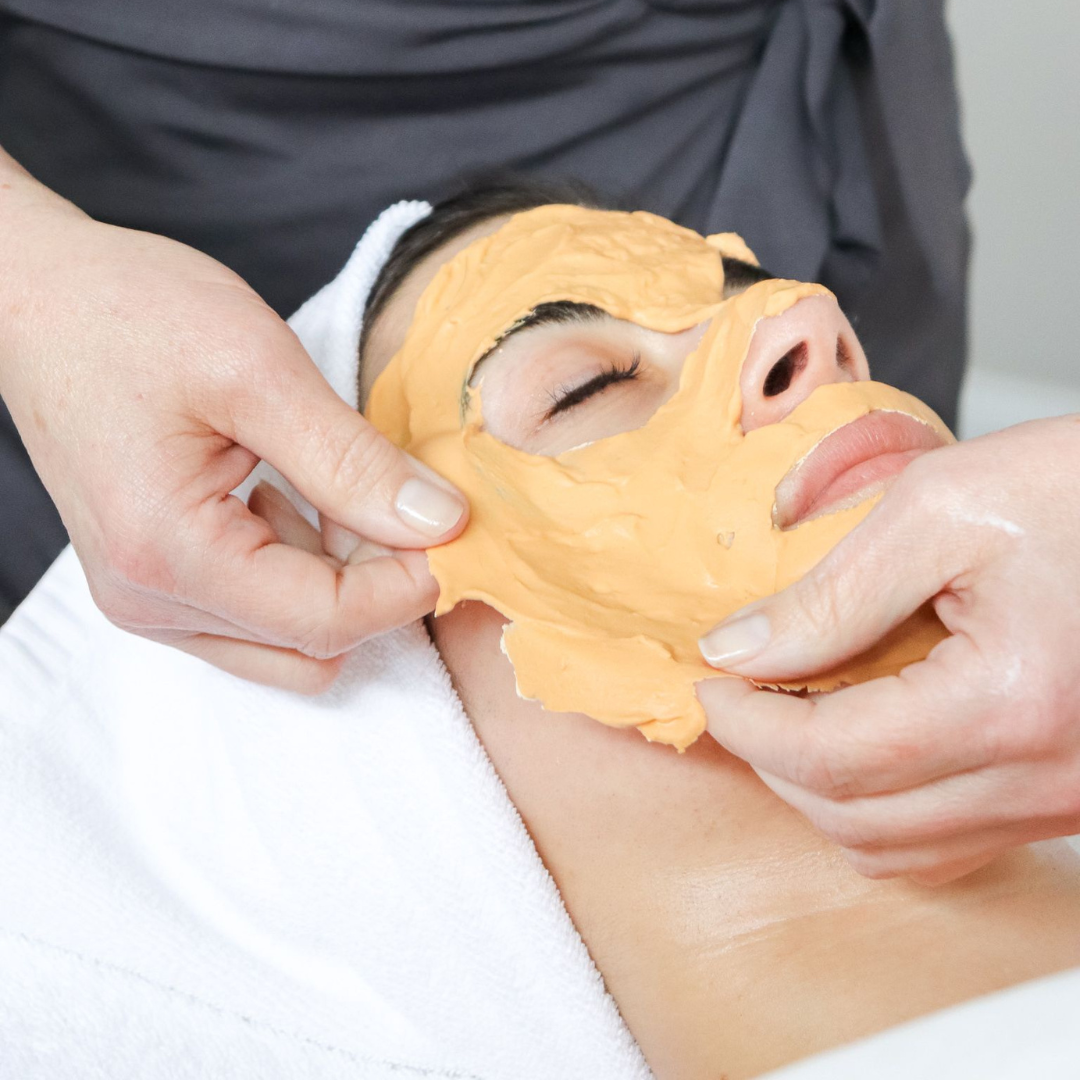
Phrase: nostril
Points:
(784, 370)
(844, 360)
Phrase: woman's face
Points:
(645, 448)
(569, 375)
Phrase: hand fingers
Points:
(295, 599)
(339, 462)
(936, 833)
(346, 546)
(851, 598)
(288, 523)
(937, 862)
(256, 660)
(953, 806)
(946, 873)
(266, 664)
(929, 864)
(885, 735)
(181, 620)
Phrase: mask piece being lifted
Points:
(611, 559)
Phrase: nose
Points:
(792, 354)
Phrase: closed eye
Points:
(563, 399)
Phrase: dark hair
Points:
(487, 196)
(481, 198)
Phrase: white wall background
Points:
(1018, 65)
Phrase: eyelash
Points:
(563, 399)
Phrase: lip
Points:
(850, 464)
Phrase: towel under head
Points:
(204, 877)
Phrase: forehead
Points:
(390, 328)
(636, 266)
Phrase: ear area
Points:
(732, 246)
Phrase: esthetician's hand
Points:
(147, 380)
(933, 772)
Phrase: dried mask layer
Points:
(610, 560)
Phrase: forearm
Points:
(36, 225)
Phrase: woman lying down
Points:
(652, 432)
(580, 374)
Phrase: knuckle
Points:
(139, 565)
(241, 358)
(242, 368)
(813, 772)
(823, 608)
(327, 633)
(128, 581)
(112, 603)
(133, 554)
(845, 829)
(319, 641)
(235, 365)
(819, 766)
(1052, 719)
(317, 676)
(1038, 728)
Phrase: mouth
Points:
(850, 465)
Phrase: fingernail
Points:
(427, 508)
(733, 642)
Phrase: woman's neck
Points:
(702, 896)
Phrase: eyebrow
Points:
(738, 276)
(550, 314)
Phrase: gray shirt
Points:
(270, 132)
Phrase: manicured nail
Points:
(427, 508)
(732, 642)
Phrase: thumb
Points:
(341, 464)
(874, 579)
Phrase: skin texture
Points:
(146, 381)
(733, 936)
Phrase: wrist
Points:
(38, 227)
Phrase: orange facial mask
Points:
(611, 559)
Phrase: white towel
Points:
(203, 878)
(206, 878)
(329, 323)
